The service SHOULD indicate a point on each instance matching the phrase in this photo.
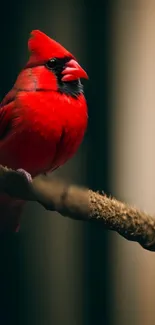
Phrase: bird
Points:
(43, 118)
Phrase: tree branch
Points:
(81, 204)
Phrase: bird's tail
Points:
(10, 211)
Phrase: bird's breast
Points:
(47, 130)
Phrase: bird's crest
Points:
(43, 48)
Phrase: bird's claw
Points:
(26, 174)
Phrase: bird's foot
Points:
(26, 174)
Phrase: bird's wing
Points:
(9, 97)
(6, 116)
(6, 120)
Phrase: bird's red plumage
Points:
(43, 47)
(40, 128)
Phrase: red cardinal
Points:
(43, 118)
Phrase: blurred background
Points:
(58, 271)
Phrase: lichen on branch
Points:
(81, 204)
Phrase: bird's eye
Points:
(51, 64)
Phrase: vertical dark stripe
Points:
(96, 240)
(11, 16)
(9, 244)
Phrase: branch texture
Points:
(81, 204)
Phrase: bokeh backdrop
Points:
(63, 272)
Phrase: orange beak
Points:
(73, 71)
